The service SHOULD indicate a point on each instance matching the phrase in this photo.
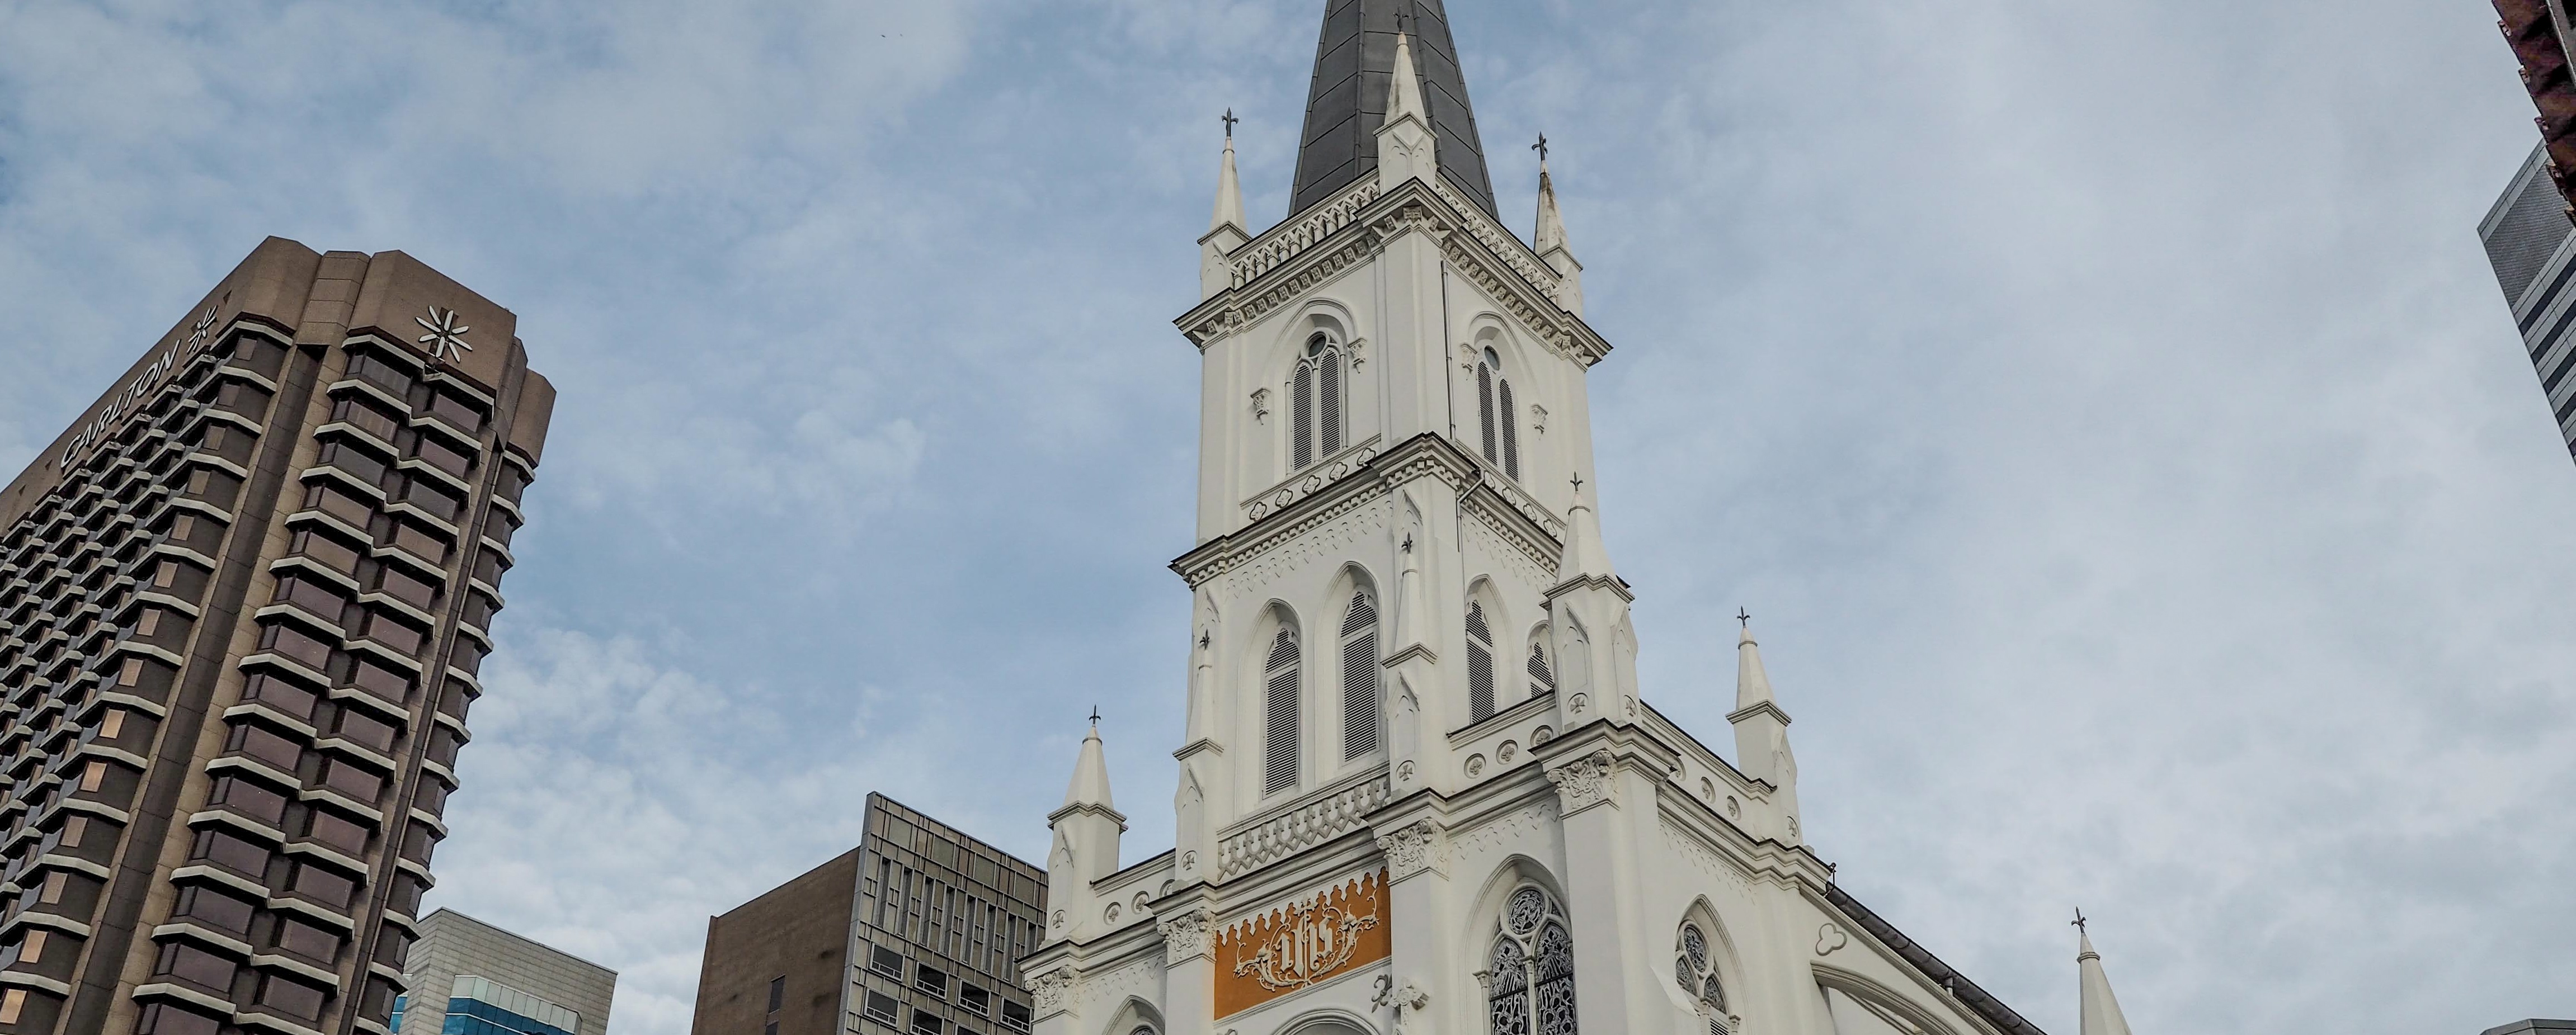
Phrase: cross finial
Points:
(1408, 542)
(1400, 17)
(1229, 121)
(1578, 481)
(1095, 715)
(1541, 148)
(2079, 922)
(1744, 618)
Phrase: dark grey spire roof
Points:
(1348, 100)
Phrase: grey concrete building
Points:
(2531, 244)
(465, 966)
(918, 930)
(243, 604)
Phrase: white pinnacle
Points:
(1229, 193)
(2101, 1009)
(1090, 774)
(1404, 87)
(1551, 225)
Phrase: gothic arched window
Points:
(1530, 986)
(1281, 707)
(1480, 664)
(1359, 677)
(1542, 680)
(1317, 403)
(1502, 439)
(1695, 967)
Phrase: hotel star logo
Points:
(446, 337)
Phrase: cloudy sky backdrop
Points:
(2104, 408)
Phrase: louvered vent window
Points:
(1541, 679)
(1282, 710)
(1480, 664)
(1316, 403)
(1302, 398)
(1502, 438)
(1359, 678)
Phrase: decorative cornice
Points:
(1290, 239)
(1293, 258)
(1520, 521)
(1422, 455)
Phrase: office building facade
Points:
(243, 601)
(919, 930)
(467, 977)
(2531, 245)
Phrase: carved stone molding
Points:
(1185, 936)
(1054, 991)
(1584, 782)
(1413, 848)
(1312, 823)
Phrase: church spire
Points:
(1762, 729)
(1226, 229)
(2101, 1010)
(1404, 84)
(1549, 240)
(1229, 190)
(1085, 848)
(1090, 787)
(1347, 102)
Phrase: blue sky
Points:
(2103, 408)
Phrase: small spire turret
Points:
(2100, 1009)
(1762, 729)
(1550, 243)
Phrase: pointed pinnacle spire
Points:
(1584, 553)
(1752, 684)
(1090, 784)
(1404, 87)
(1551, 224)
(1229, 189)
(2100, 1009)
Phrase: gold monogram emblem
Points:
(1310, 943)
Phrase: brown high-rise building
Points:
(242, 605)
(919, 931)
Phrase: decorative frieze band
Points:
(1307, 825)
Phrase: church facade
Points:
(1419, 791)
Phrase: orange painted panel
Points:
(1262, 957)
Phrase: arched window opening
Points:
(1282, 712)
(1530, 990)
(1501, 432)
(1695, 967)
(1542, 679)
(1480, 664)
(1359, 678)
(1318, 408)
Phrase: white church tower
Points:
(1419, 792)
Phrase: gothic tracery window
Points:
(1695, 967)
(1280, 703)
(1359, 677)
(1500, 430)
(1530, 986)
(1317, 402)
(1480, 664)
